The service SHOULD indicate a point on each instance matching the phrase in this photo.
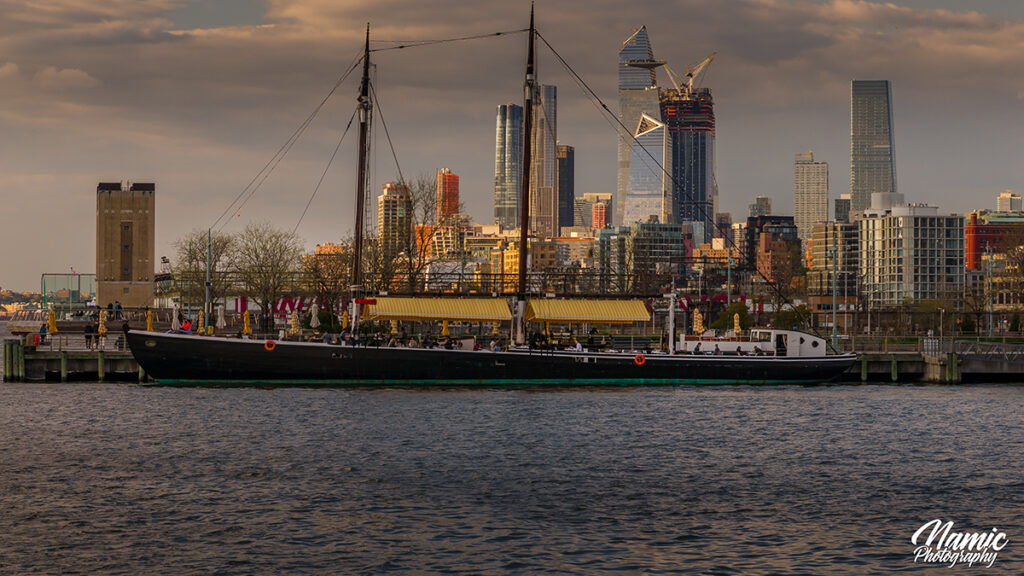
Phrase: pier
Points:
(64, 358)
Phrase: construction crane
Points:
(690, 74)
(686, 90)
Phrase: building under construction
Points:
(689, 114)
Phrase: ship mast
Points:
(365, 107)
(524, 201)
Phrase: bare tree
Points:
(266, 261)
(787, 272)
(327, 275)
(189, 266)
(423, 191)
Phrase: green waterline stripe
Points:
(565, 382)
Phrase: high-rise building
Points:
(810, 194)
(566, 185)
(872, 160)
(842, 208)
(649, 185)
(1009, 202)
(599, 215)
(833, 250)
(447, 194)
(638, 95)
(762, 206)
(583, 211)
(125, 243)
(394, 219)
(723, 225)
(763, 231)
(910, 252)
(544, 172)
(508, 165)
(689, 114)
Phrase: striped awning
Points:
(590, 311)
(416, 309)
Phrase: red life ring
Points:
(639, 359)
(269, 345)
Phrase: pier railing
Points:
(990, 350)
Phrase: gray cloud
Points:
(97, 91)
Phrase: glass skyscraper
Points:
(648, 186)
(872, 161)
(638, 94)
(690, 118)
(544, 171)
(566, 185)
(508, 165)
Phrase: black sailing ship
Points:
(767, 357)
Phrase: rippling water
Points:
(116, 479)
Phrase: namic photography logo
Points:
(937, 543)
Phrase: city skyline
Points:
(196, 96)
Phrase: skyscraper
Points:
(566, 184)
(649, 186)
(842, 208)
(447, 194)
(810, 194)
(544, 172)
(689, 114)
(394, 219)
(638, 95)
(125, 243)
(508, 165)
(872, 160)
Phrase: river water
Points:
(119, 479)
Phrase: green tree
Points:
(725, 319)
(793, 318)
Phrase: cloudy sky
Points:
(197, 95)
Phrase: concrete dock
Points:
(69, 358)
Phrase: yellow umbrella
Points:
(736, 328)
(246, 325)
(149, 320)
(698, 322)
(494, 331)
(294, 321)
(394, 326)
(201, 322)
(102, 330)
(52, 321)
(444, 329)
(344, 319)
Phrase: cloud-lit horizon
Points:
(197, 96)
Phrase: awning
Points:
(589, 311)
(415, 309)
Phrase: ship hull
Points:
(186, 359)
